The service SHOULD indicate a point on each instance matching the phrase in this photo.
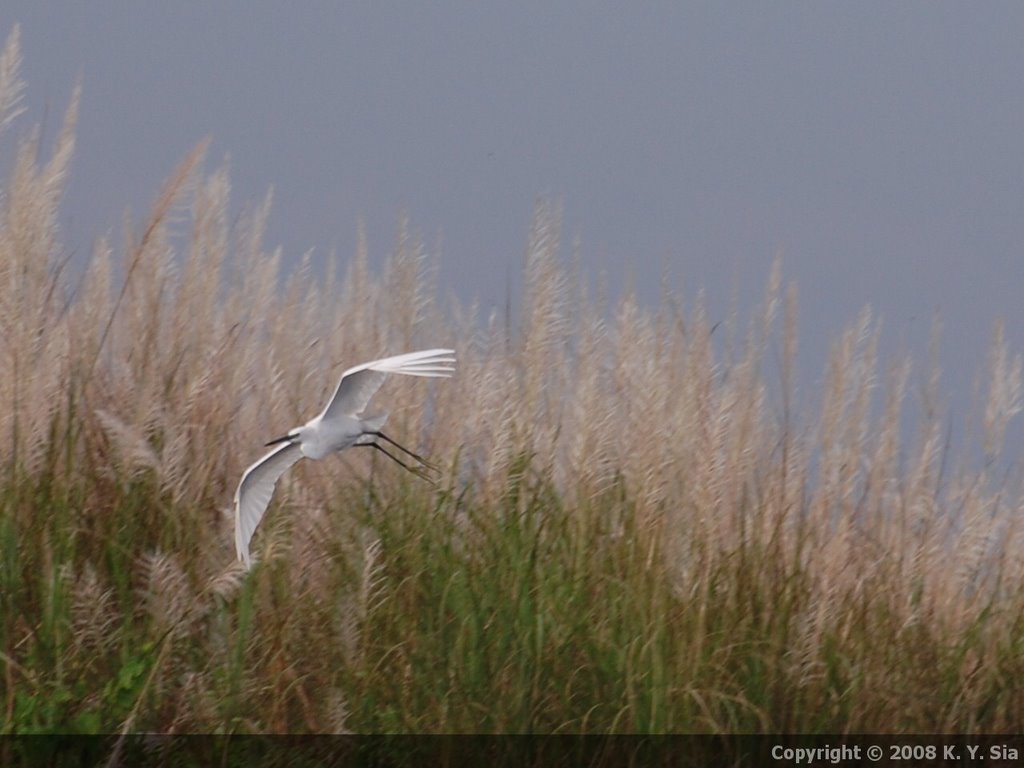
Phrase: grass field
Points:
(642, 523)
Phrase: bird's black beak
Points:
(277, 440)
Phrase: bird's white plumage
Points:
(357, 385)
(341, 424)
(254, 492)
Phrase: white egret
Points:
(340, 425)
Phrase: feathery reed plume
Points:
(12, 87)
(94, 615)
(1004, 395)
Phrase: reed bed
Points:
(642, 523)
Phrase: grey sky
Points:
(879, 147)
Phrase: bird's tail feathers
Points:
(375, 422)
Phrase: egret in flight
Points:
(341, 424)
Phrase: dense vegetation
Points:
(639, 525)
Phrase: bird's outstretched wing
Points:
(359, 384)
(254, 492)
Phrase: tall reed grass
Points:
(642, 525)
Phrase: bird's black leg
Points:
(403, 449)
(418, 471)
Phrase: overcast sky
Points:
(879, 147)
